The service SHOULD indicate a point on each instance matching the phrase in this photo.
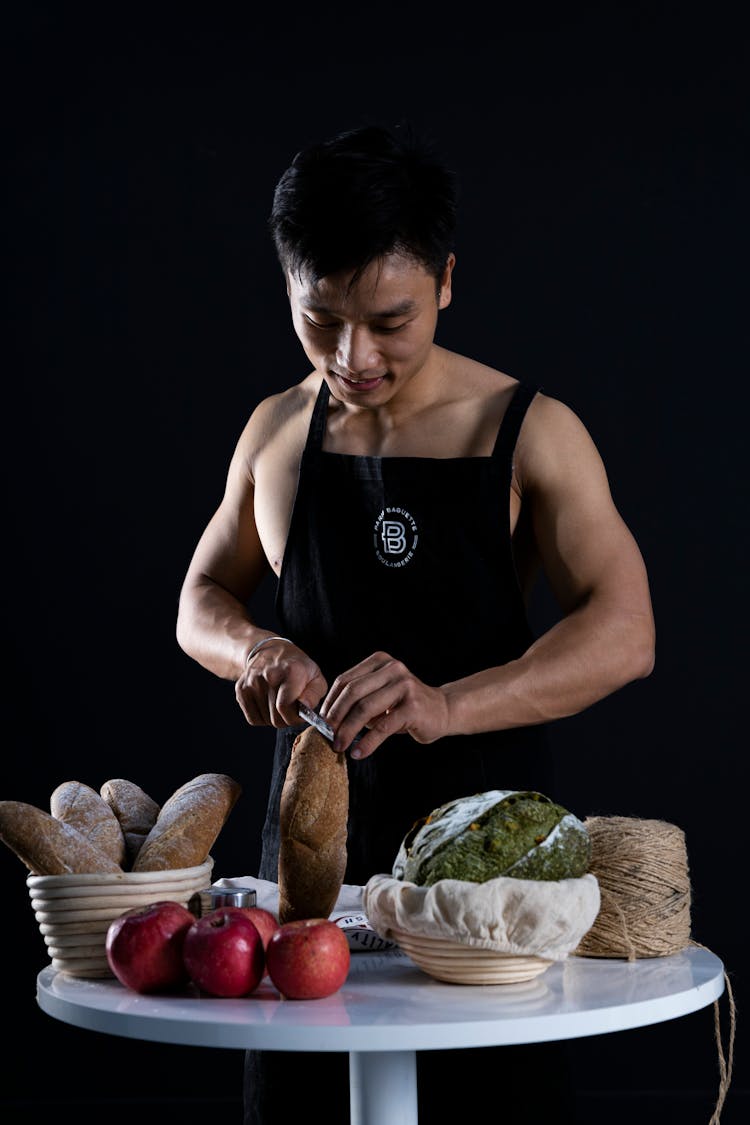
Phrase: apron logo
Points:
(395, 537)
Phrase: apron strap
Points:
(507, 435)
(317, 429)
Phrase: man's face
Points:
(371, 340)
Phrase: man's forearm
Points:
(216, 630)
(580, 660)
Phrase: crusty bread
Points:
(84, 809)
(49, 846)
(188, 823)
(134, 809)
(313, 828)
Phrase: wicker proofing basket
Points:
(502, 931)
(465, 964)
(74, 911)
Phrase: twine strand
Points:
(644, 883)
(726, 1062)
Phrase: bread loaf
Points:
(84, 809)
(313, 828)
(49, 846)
(134, 809)
(519, 834)
(188, 823)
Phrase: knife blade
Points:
(317, 721)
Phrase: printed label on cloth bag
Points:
(360, 934)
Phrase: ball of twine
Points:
(644, 882)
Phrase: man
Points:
(405, 497)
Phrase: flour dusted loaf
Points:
(48, 846)
(189, 823)
(84, 809)
(520, 834)
(135, 811)
(313, 821)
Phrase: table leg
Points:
(383, 1087)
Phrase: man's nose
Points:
(356, 350)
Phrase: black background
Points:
(602, 251)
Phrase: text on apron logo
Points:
(395, 537)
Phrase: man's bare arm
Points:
(214, 626)
(606, 637)
(214, 623)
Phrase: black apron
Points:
(411, 556)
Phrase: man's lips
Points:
(360, 384)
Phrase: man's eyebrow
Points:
(403, 308)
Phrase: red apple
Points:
(223, 953)
(144, 946)
(308, 958)
(265, 922)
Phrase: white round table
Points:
(388, 1009)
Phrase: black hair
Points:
(366, 192)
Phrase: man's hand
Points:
(274, 680)
(381, 695)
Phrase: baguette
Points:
(84, 809)
(134, 809)
(313, 817)
(48, 846)
(189, 823)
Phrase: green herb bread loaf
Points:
(501, 832)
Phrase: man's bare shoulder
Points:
(279, 410)
(552, 414)
(554, 443)
(280, 421)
